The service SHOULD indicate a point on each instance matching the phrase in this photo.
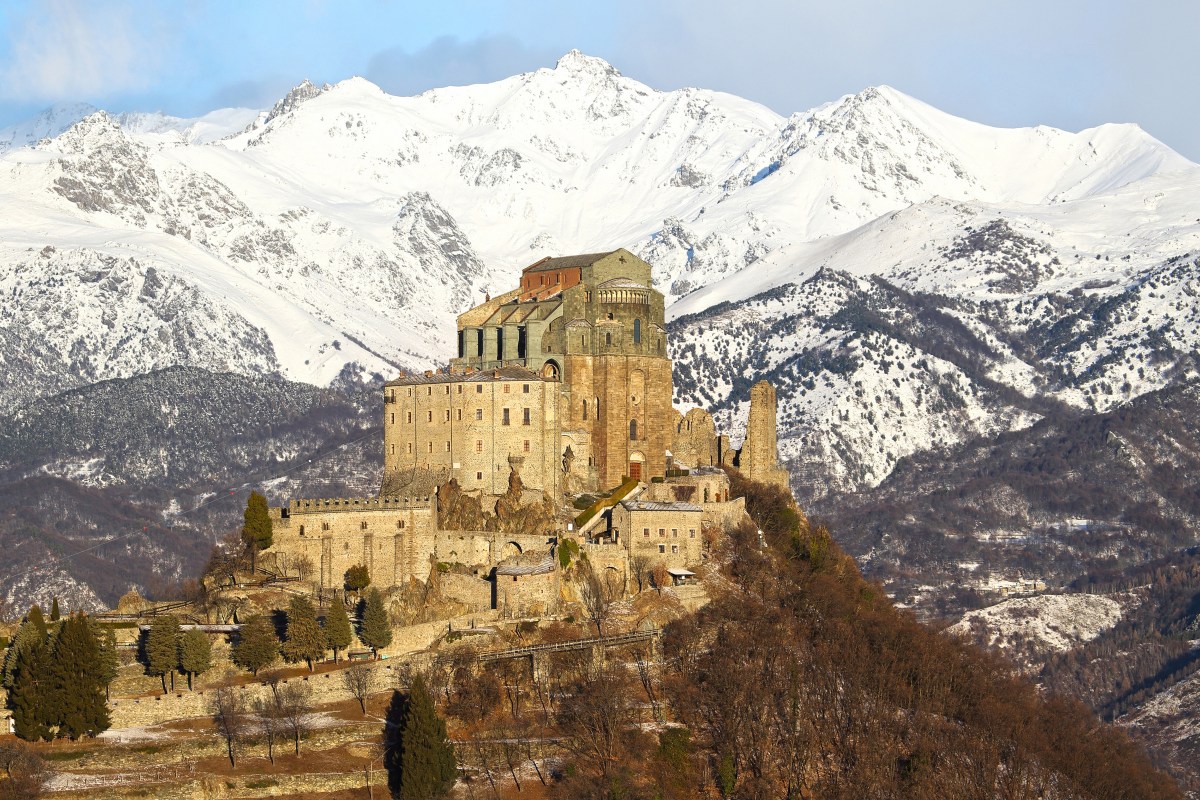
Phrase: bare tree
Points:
(266, 712)
(597, 601)
(640, 566)
(660, 576)
(23, 771)
(284, 563)
(360, 680)
(295, 710)
(229, 714)
(303, 566)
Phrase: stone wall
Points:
(666, 533)
(694, 442)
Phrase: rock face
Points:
(759, 456)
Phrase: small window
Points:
(430, 415)
(587, 297)
(460, 388)
(637, 331)
(458, 417)
(691, 533)
(479, 445)
(478, 476)
(479, 388)
(410, 448)
(506, 388)
(632, 430)
(393, 420)
(431, 447)
(645, 533)
(301, 530)
(479, 413)
(393, 451)
(662, 533)
(324, 526)
(525, 388)
(447, 388)
(525, 416)
(674, 548)
(662, 548)
(585, 410)
(447, 415)
(410, 391)
(674, 533)
(429, 390)
(447, 445)
(400, 524)
(410, 418)
(526, 447)
(362, 525)
(608, 339)
(504, 418)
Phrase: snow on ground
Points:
(1048, 622)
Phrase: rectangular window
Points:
(324, 526)
(479, 413)
(674, 533)
(662, 548)
(447, 415)
(504, 419)
(447, 445)
(479, 388)
(645, 533)
(429, 390)
(430, 413)
(662, 533)
(525, 416)
(674, 548)
(479, 445)
(460, 388)
(459, 416)
(525, 388)
(447, 388)
(410, 418)
(506, 388)
(691, 533)
(478, 476)
(410, 391)
(431, 447)
(393, 449)
(363, 525)
(526, 447)
(393, 417)
(410, 448)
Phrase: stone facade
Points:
(474, 427)
(759, 457)
(667, 533)
(695, 442)
(594, 323)
(527, 585)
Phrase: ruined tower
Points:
(759, 456)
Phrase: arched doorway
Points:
(637, 462)
(551, 370)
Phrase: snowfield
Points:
(1047, 623)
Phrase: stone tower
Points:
(759, 457)
(593, 323)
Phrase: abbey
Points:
(561, 388)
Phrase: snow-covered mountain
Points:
(894, 261)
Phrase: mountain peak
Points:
(301, 93)
(577, 61)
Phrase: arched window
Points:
(637, 331)
(608, 339)
(632, 429)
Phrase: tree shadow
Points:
(393, 727)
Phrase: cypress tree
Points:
(110, 663)
(338, 633)
(257, 644)
(54, 610)
(76, 683)
(26, 699)
(195, 654)
(35, 618)
(256, 529)
(376, 629)
(162, 648)
(305, 639)
(427, 766)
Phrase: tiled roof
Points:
(567, 262)
(517, 568)
(511, 373)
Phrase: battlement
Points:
(325, 504)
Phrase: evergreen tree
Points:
(305, 639)
(33, 629)
(376, 632)
(76, 684)
(162, 648)
(257, 644)
(256, 530)
(357, 578)
(54, 615)
(427, 766)
(338, 633)
(195, 654)
(26, 698)
(110, 662)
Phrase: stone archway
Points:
(509, 550)
(551, 370)
(637, 466)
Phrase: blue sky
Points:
(1067, 63)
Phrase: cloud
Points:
(64, 50)
(447, 61)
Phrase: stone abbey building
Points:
(561, 386)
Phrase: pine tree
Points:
(256, 530)
(35, 618)
(110, 662)
(75, 681)
(376, 632)
(195, 654)
(427, 766)
(257, 644)
(54, 615)
(305, 639)
(338, 633)
(26, 699)
(162, 648)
